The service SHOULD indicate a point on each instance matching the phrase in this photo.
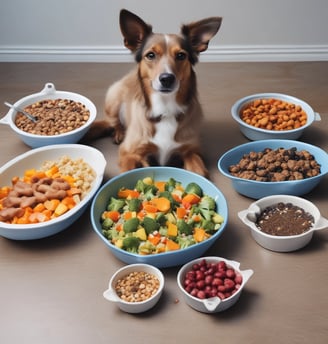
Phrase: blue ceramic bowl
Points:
(255, 189)
(129, 179)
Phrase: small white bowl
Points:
(281, 243)
(49, 92)
(134, 307)
(34, 159)
(213, 304)
(253, 133)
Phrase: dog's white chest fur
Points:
(166, 107)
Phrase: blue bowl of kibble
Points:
(271, 167)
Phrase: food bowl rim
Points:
(11, 114)
(97, 181)
(157, 271)
(282, 237)
(268, 142)
(235, 111)
(235, 264)
(164, 254)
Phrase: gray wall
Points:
(87, 30)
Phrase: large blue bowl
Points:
(255, 189)
(129, 179)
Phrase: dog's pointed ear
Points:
(199, 33)
(134, 30)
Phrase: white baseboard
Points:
(274, 53)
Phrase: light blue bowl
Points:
(255, 189)
(129, 179)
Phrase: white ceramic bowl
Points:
(49, 92)
(253, 133)
(281, 243)
(134, 307)
(34, 159)
(213, 304)
(256, 189)
(128, 180)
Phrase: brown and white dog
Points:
(154, 112)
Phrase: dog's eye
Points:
(151, 55)
(181, 56)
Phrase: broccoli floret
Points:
(184, 228)
(207, 202)
(194, 189)
(134, 204)
(115, 204)
(149, 190)
(186, 241)
(110, 234)
(161, 219)
(171, 184)
(131, 244)
(107, 223)
(150, 225)
(131, 225)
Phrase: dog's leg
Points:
(192, 161)
(140, 157)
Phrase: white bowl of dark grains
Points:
(265, 116)
(271, 167)
(135, 288)
(62, 117)
(283, 223)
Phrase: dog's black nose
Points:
(167, 80)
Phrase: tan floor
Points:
(51, 290)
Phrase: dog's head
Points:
(166, 60)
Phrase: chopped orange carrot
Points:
(172, 245)
(149, 208)
(181, 212)
(128, 193)
(199, 234)
(52, 204)
(154, 238)
(162, 203)
(112, 214)
(160, 185)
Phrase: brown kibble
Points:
(137, 286)
(55, 117)
(273, 114)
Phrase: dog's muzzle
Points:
(167, 81)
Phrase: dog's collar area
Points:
(179, 116)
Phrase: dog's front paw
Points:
(119, 134)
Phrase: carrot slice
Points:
(162, 203)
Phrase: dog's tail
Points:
(98, 130)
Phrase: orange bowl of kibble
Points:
(44, 190)
(283, 223)
(265, 116)
(61, 117)
(271, 167)
(135, 288)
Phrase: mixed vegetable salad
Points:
(160, 216)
